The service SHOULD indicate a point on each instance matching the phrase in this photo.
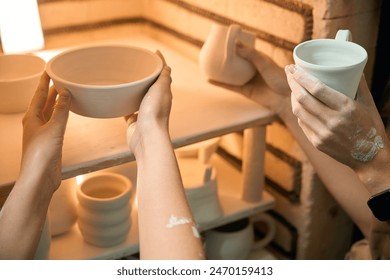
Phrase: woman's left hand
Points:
(43, 134)
(350, 131)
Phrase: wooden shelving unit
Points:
(200, 111)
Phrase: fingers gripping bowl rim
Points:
(105, 81)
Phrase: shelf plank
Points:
(200, 111)
(71, 245)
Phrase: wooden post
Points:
(253, 164)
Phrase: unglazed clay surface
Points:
(105, 81)
(104, 208)
(218, 59)
(19, 77)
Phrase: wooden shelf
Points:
(200, 111)
(71, 245)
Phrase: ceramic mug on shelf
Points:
(201, 187)
(236, 240)
(338, 63)
(218, 58)
(104, 208)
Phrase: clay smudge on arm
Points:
(366, 148)
(175, 221)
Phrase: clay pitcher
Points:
(218, 59)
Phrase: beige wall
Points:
(278, 24)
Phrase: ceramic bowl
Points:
(19, 78)
(105, 81)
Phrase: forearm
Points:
(341, 181)
(166, 226)
(22, 219)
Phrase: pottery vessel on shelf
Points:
(104, 208)
(63, 208)
(19, 78)
(236, 240)
(218, 58)
(201, 188)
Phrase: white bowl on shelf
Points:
(105, 81)
(19, 78)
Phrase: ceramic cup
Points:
(104, 208)
(201, 188)
(63, 208)
(235, 241)
(339, 63)
(218, 58)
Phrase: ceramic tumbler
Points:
(104, 208)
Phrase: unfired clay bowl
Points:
(105, 81)
(19, 78)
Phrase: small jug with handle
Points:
(218, 58)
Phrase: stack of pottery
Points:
(104, 208)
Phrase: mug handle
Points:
(271, 230)
(344, 35)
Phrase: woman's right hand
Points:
(154, 111)
(269, 87)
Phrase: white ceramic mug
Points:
(104, 208)
(236, 240)
(338, 63)
(218, 58)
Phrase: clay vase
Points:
(218, 59)
(63, 208)
(104, 208)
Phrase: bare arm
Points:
(166, 226)
(350, 131)
(23, 215)
(270, 88)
